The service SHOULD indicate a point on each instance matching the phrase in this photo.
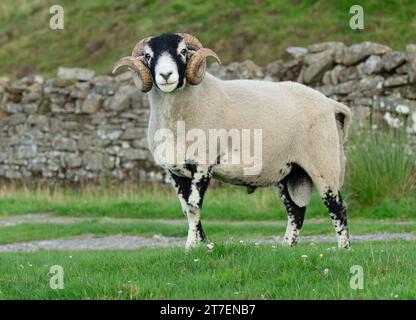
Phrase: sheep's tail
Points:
(343, 119)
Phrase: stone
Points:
(30, 108)
(27, 151)
(73, 160)
(133, 154)
(313, 58)
(327, 90)
(141, 143)
(402, 69)
(346, 87)
(347, 73)
(79, 94)
(297, 52)
(31, 96)
(249, 70)
(12, 107)
(4, 81)
(393, 59)
(408, 91)
(17, 118)
(63, 82)
(17, 87)
(237, 70)
(327, 78)
(105, 85)
(372, 65)
(362, 114)
(109, 134)
(121, 100)
(394, 104)
(337, 49)
(274, 70)
(318, 47)
(371, 83)
(93, 160)
(314, 72)
(92, 103)
(411, 62)
(396, 81)
(38, 120)
(11, 174)
(291, 70)
(360, 51)
(65, 144)
(76, 73)
(84, 143)
(363, 101)
(72, 126)
(317, 64)
(335, 74)
(136, 100)
(133, 133)
(113, 150)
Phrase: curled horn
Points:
(196, 68)
(135, 63)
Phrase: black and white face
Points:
(166, 57)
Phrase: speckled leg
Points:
(295, 215)
(338, 212)
(191, 193)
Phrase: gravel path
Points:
(122, 242)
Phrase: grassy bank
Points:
(154, 202)
(216, 231)
(98, 32)
(228, 272)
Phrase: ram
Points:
(302, 132)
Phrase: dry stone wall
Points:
(80, 126)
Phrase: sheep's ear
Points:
(189, 54)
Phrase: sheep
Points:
(302, 141)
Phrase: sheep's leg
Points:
(191, 193)
(295, 215)
(338, 212)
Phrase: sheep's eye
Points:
(183, 51)
(147, 56)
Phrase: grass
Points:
(228, 272)
(380, 165)
(98, 32)
(155, 202)
(216, 231)
(380, 190)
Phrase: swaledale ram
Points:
(303, 131)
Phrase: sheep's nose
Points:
(166, 75)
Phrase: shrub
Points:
(381, 164)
